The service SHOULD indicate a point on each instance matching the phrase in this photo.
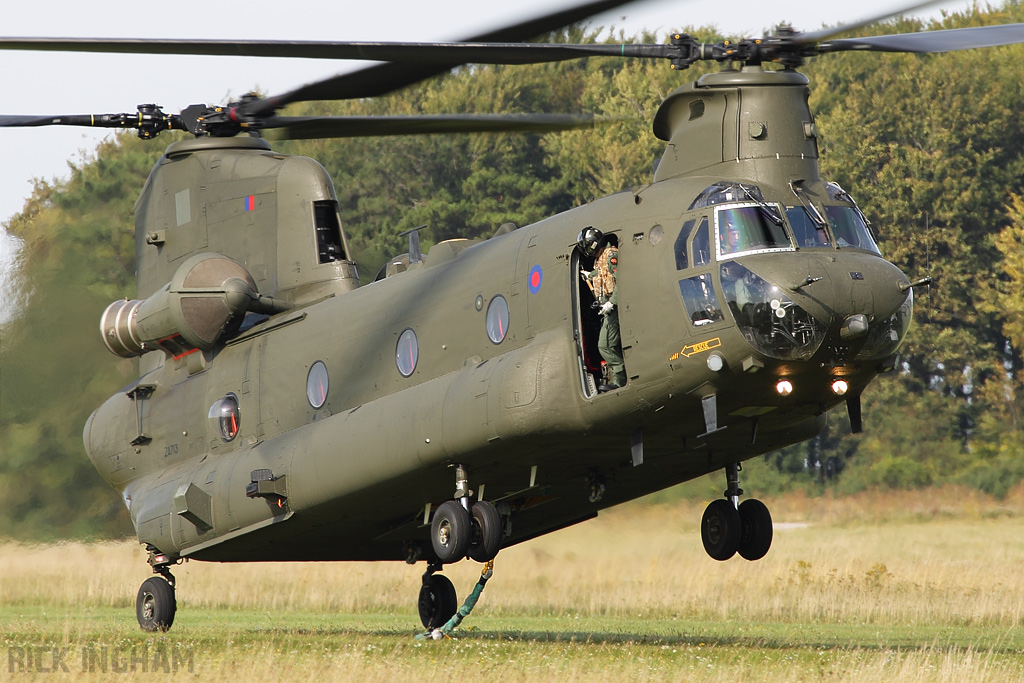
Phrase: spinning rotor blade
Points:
(408, 63)
(421, 61)
(310, 127)
(818, 36)
(932, 41)
(385, 78)
(431, 53)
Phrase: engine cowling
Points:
(204, 302)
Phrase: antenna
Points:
(415, 253)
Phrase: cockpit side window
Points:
(700, 300)
(680, 247)
(748, 228)
(702, 245)
(805, 230)
(849, 228)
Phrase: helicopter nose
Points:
(869, 307)
(866, 288)
(860, 301)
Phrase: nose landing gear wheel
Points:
(437, 602)
(485, 541)
(155, 605)
(755, 529)
(720, 529)
(450, 532)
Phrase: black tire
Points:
(155, 605)
(720, 529)
(755, 529)
(485, 541)
(438, 601)
(450, 531)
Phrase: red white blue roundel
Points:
(535, 279)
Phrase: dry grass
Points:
(913, 586)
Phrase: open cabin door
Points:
(586, 326)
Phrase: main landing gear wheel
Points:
(438, 601)
(720, 529)
(755, 529)
(450, 532)
(485, 540)
(155, 605)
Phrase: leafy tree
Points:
(78, 256)
(932, 147)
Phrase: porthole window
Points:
(226, 418)
(497, 319)
(317, 385)
(407, 353)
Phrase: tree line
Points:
(932, 148)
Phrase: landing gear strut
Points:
(729, 526)
(460, 528)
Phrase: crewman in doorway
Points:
(602, 283)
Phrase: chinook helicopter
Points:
(453, 406)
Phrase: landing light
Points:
(840, 387)
(784, 387)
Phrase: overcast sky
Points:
(52, 83)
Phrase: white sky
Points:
(53, 83)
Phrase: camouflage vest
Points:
(604, 267)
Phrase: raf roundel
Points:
(536, 278)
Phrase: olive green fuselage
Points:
(358, 476)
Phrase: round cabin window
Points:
(497, 319)
(226, 417)
(407, 353)
(317, 385)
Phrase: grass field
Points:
(924, 586)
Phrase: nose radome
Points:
(854, 326)
(873, 283)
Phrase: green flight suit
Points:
(609, 342)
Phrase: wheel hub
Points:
(147, 606)
(444, 534)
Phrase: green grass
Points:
(306, 646)
(923, 592)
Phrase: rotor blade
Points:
(818, 36)
(309, 127)
(932, 41)
(385, 78)
(438, 53)
(15, 121)
(155, 120)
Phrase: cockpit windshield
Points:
(747, 228)
(848, 223)
(806, 230)
(849, 228)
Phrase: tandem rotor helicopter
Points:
(457, 404)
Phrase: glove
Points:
(607, 308)
(488, 571)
